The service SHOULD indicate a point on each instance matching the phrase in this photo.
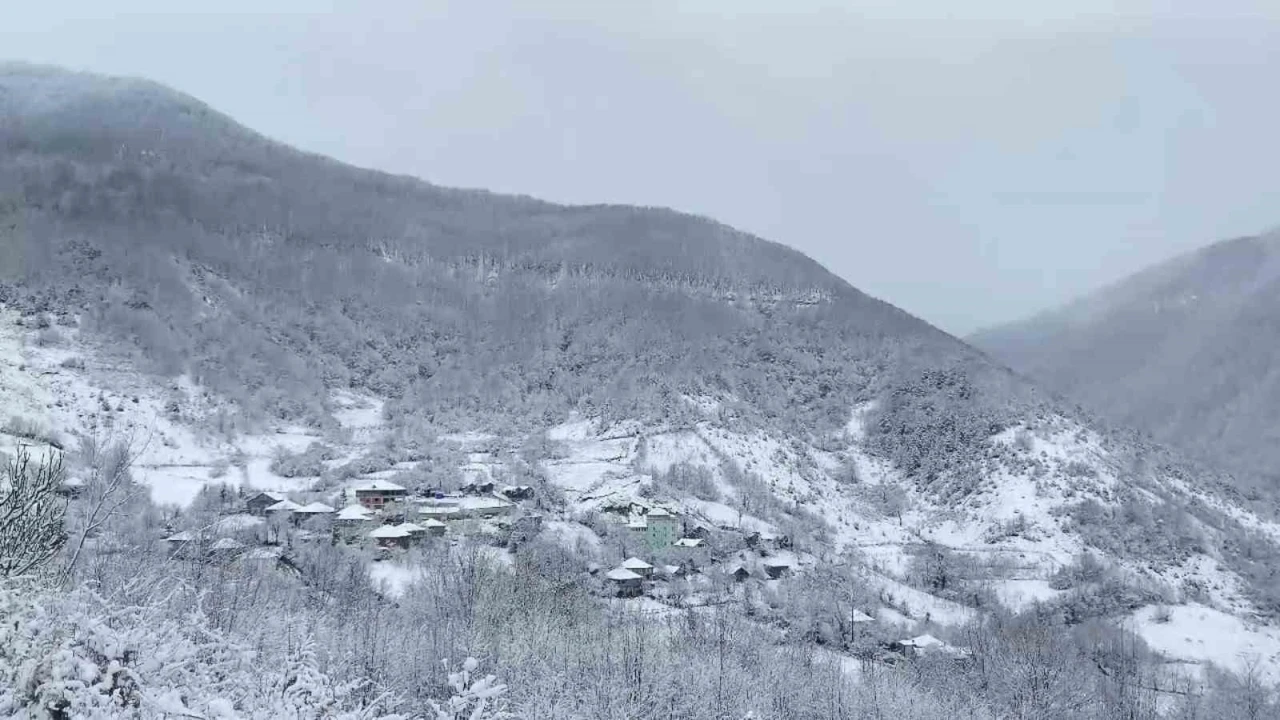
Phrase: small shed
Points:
(226, 546)
(433, 527)
(776, 567)
(517, 492)
(739, 573)
(625, 582)
(638, 566)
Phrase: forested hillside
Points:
(1185, 350)
(267, 274)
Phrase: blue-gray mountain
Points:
(1186, 350)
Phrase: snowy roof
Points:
(273, 495)
(411, 528)
(659, 512)
(379, 486)
(228, 544)
(315, 507)
(232, 523)
(389, 531)
(777, 562)
(183, 536)
(638, 523)
(689, 542)
(861, 617)
(263, 553)
(483, 502)
(621, 574)
(924, 641)
(284, 506)
(354, 512)
(438, 510)
(634, 563)
(432, 523)
(671, 569)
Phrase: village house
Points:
(517, 492)
(625, 582)
(224, 547)
(440, 512)
(478, 487)
(353, 515)
(638, 566)
(739, 573)
(776, 567)
(376, 494)
(258, 503)
(433, 527)
(662, 529)
(315, 509)
(416, 532)
(389, 536)
(181, 541)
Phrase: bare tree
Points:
(32, 508)
(108, 488)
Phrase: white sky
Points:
(969, 162)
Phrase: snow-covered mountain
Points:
(1183, 350)
(246, 314)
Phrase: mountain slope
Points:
(268, 274)
(1184, 350)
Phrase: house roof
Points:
(389, 531)
(284, 506)
(689, 542)
(660, 512)
(273, 495)
(318, 508)
(776, 562)
(432, 523)
(861, 617)
(183, 536)
(354, 512)
(411, 528)
(924, 641)
(378, 485)
(476, 503)
(439, 510)
(622, 574)
(634, 563)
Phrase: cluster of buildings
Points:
(385, 513)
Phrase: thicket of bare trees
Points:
(32, 505)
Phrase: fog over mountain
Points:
(288, 438)
(1185, 350)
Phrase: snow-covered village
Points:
(287, 437)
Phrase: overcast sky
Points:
(968, 165)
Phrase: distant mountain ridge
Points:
(1185, 350)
